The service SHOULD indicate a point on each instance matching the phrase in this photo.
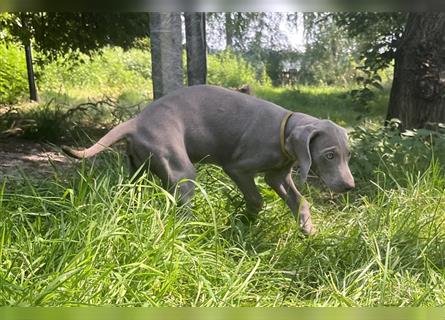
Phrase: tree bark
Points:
(229, 30)
(418, 91)
(166, 52)
(196, 48)
(31, 78)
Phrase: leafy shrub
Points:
(110, 71)
(48, 123)
(229, 70)
(387, 150)
(13, 84)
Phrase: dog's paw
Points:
(248, 218)
(308, 231)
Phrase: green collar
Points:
(282, 137)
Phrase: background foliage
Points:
(13, 83)
(230, 70)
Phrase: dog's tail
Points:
(116, 134)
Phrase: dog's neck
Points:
(283, 135)
(297, 119)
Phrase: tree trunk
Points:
(26, 36)
(196, 48)
(418, 90)
(229, 30)
(31, 79)
(166, 52)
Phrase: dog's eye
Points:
(329, 155)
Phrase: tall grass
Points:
(90, 237)
(95, 239)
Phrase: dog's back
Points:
(212, 122)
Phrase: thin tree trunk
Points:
(26, 40)
(31, 79)
(196, 48)
(229, 30)
(418, 90)
(166, 52)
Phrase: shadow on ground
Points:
(34, 159)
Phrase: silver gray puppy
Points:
(242, 134)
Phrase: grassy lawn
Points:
(91, 238)
(95, 239)
(331, 103)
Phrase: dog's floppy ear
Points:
(299, 141)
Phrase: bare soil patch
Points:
(34, 159)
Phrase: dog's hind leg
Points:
(246, 183)
(135, 163)
(176, 173)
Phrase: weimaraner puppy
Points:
(242, 134)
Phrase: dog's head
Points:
(323, 146)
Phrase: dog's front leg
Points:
(281, 182)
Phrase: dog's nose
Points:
(348, 180)
(349, 186)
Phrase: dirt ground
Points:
(35, 160)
